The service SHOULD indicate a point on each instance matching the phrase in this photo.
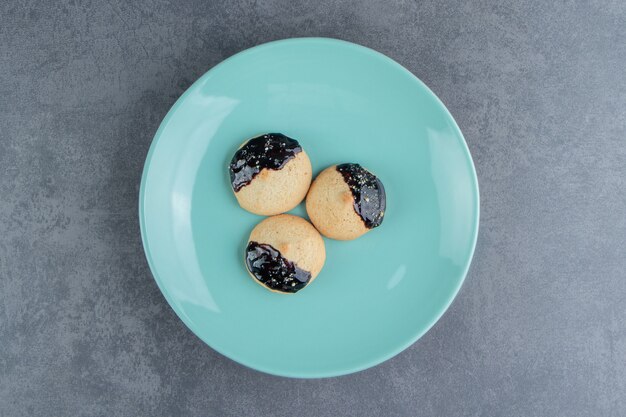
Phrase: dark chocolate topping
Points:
(272, 270)
(368, 192)
(271, 151)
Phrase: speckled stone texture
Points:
(539, 90)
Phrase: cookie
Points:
(270, 174)
(284, 253)
(346, 201)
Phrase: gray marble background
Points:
(539, 90)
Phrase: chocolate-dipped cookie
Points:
(270, 174)
(346, 201)
(284, 253)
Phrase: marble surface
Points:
(539, 90)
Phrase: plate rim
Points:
(376, 360)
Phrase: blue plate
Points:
(376, 295)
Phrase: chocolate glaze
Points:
(368, 193)
(272, 270)
(271, 151)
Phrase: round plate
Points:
(376, 295)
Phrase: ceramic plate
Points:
(376, 295)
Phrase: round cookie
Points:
(270, 174)
(284, 253)
(346, 201)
